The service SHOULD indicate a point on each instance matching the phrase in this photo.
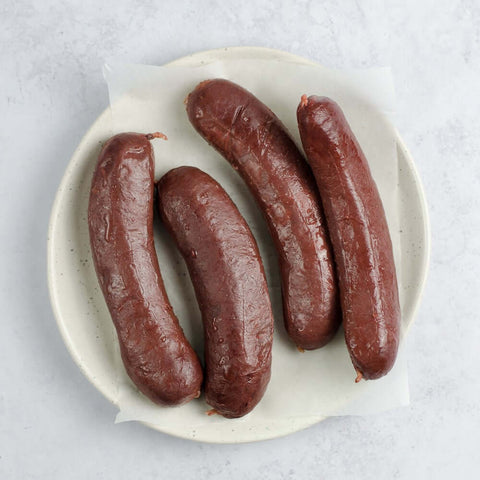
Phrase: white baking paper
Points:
(148, 99)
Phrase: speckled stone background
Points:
(53, 423)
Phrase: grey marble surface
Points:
(53, 422)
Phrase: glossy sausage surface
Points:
(229, 281)
(155, 352)
(359, 233)
(258, 146)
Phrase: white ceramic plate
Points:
(84, 321)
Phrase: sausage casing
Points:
(258, 146)
(155, 352)
(359, 233)
(229, 281)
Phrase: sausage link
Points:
(155, 352)
(229, 281)
(359, 233)
(258, 146)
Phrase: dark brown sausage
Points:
(155, 352)
(256, 143)
(229, 281)
(359, 233)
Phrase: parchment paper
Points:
(149, 98)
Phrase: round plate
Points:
(92, 343)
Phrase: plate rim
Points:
(207, 56)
